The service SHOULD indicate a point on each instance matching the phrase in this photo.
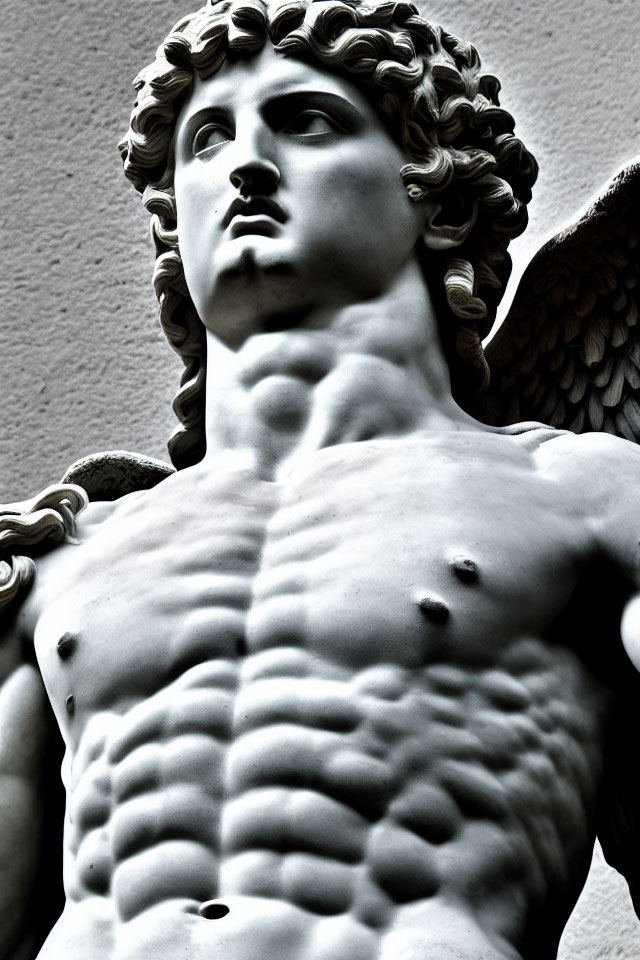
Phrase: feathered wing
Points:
(568, 353)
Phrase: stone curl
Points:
(431, 92)
(47, 518)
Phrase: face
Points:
(288, 195)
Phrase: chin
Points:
(235, 320)
(252, 256)
(257, 289)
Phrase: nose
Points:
(256, 176)
(255, 171)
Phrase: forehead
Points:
(257, 79)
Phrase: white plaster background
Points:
(83, 365)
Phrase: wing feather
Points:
(572, 333)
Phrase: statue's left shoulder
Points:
(600, 460)
(598, 477)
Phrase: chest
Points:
(373, 556)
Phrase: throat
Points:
(356, 400)
(291, 395)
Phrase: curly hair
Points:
(46, 519)
(429, 88)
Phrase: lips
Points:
(254, 208)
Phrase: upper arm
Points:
(630, 629)
(612, 478)
(601, 475)
(615, 478)
(24, 730)
(31, 796)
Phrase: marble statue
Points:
(348, 683)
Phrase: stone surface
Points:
(84, 365)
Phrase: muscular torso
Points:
(336, 704)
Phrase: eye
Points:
(208, 137)
(310, 123)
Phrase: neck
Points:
(360, 371)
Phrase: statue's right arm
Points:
(31, 794)
(24, 733)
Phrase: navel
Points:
(71, 705)
(213, 910)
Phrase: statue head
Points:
(429, 92)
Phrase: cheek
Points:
(184, 213)
(195, 240)
(199, 205)
(375, 205)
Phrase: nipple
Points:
(213, 910)
(464, 569)
(435, 610)
(66, 645)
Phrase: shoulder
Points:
(114, 480)
(596, 475)
(97, 513)
(600, 476)
(600, 472)
(566, 447)
(38, 536)
(112, 474)
(598, 461)
(55, 563)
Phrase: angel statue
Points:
(352, 681)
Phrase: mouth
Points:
(263, 226)
(253, 215)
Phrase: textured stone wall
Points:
(83, 366)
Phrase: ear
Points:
(440, 235)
